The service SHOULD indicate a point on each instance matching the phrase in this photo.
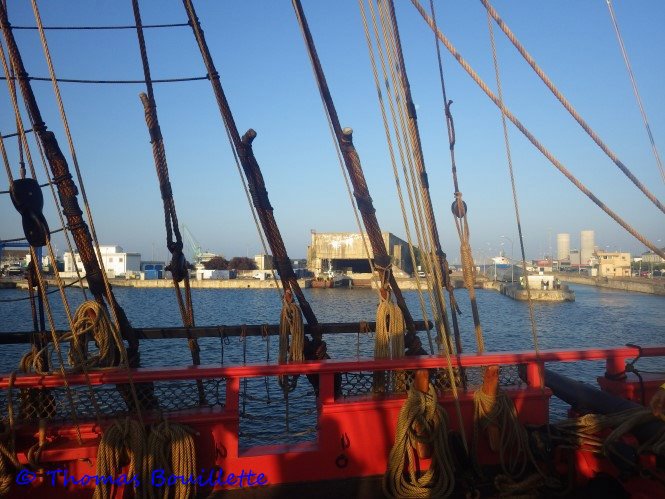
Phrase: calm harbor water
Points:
(597, 318)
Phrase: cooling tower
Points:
(562, 246)
(587, 242)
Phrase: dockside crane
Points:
(198, 255)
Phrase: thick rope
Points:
(421, 421)
(290, 324)
(583, 430)
(459, 209)
(123, 439)
(438, 265)
(513, 445)
(569, 107)
(9, 463)
(171, 449)
(555, 162)
(391, 150)
(633, 81)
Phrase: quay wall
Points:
(404, 283)
(634, 284)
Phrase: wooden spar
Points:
(441, 273)
(222, 331)
(67, 192)
(243, 148)
(353, 166)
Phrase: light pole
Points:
(512, 264)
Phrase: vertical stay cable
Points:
(179, 267)
(459, 207)
(393, 162)
(23, 140)
(509, 158)
(361, 191)
(633, 81)
(86, 240)
(68, 191)
(440, 275)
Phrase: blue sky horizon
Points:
(259, 53)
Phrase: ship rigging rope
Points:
(121, 441)
(460, 212)
(633, 81)
(418, 214)
(23, 140)
(421, 410)
(391, 150)
(10, 300)
(389, 339)
(375, 278)
(573, 112)
(232, 135)
(179, 265)
(110, 82)
(171, 447)
(92, 28)
(33, 255)
(290, 323)
(583, 430)
(555, 162)
(509, 157)
(115, 308)
(513, 446)
(434, 258)
(9, 463)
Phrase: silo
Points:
(587, 242)
(562, 246)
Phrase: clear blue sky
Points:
(265, 72)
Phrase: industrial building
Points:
(345, 251)
(117, 262)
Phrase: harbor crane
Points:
(198, 255)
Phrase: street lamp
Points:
(512, 264)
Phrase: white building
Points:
(587, 243)
(116, 262)
(562, 246)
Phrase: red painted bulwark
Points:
(355, 435)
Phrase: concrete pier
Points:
(517, 292)
(636, 284)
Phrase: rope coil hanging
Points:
(389, 340)
(171, 449)
(123, 439)
(290, 324)
(422, 411)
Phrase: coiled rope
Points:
(423, 411)
(584, 429)
(389, 341)
(9, 464)
(122, 439)
(290, 323)
(171, 448)
(513, 440)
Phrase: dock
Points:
(519, 293)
